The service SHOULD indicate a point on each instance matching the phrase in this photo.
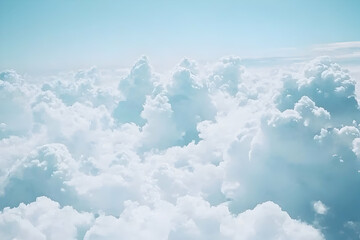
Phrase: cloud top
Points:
(213, 151)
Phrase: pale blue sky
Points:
(43, 35)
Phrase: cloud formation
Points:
(191, 154)
(43, 219)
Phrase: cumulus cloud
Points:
(326, 83)
(43, 172)
(83, 86)
(43, 219)
(194, 218)
(15, 98)
(201, 152)
(134, 88)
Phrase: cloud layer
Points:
(213, 151)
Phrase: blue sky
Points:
(54, 35)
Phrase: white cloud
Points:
(194, 218)
(328, 85)
(84, 86)
(134, 88)
(348, 51)
(15, 100)
(356, 146)
(184, 155)
(43, 219)
(268, 221)
(320, 208)
(158, 113)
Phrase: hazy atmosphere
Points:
(156, 120)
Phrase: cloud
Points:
(341, 51)
(83, 86)
(15, 98)
(189, 100)
(190, 154)
(43, 219)
(300, 147)
(43, 172)
(320, 208)
(356, 147)
(134, 88)
(268, 221)
(328, 85)
(194, 218)
(227, 75)
(158, 113)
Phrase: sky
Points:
(40, 35)
(172, 120)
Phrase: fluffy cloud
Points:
(43, 219)
(194, 218)
(194, 153)
(327, 84)
(305, 146)
(43, 172)
(83, 86)
(268, 221)
(158, 113)
(15, 98)
(134, 88)
(356, 147)
(189, 100)
(320, 208)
